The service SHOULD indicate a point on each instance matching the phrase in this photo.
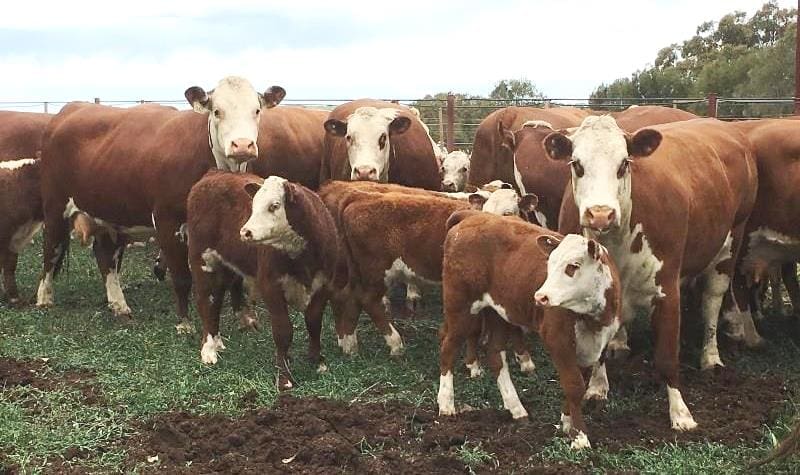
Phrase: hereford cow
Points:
(635, 117)
(378, 141)
(394, 234)
(21, 216)
(455, 170)
(772, 238)
(670, 203)
(497, 264)
(275, 235)
(493, 149)
(21, 134)
(131, 170)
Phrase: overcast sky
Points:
(321, 49)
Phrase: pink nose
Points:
(246, 234)
(448, 186)
(365, 173)
(599, 218)
(243, 149)
(541, 300)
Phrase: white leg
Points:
(116, 299)
(741, 327)
(475, 370)
(348, 344)
(44, 295)
(508, 391)
(716, 286)
(208, 353)
(446, 397)
(679, 414)
(526, 364)
(598, 383)
(394, 341)
(619, 343)
(184, 328)
(580, 442)
(566, 423)
(413, 296)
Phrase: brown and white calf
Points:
(455, 170)
(21, 217)
(670, 203)
(393, 234)
(275, 235)
(516, 276)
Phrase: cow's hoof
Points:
(617, 351)
(283, 382)
(184, 328)
(159, 273)
(596, 394)
(710, 361)
(249, 323)
(348, 344)
(580, 442)
(475, 369)
(754, 342)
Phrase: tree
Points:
(514, 89)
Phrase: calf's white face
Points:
(368, 132)
(600, 154)
(455, 169)
(268, 223)
(234, 109)
(577, 278)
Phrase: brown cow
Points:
(493, 149)
(21, 134)
(275, 235)
(772, 238)
(131, 171)
(497, 264)
(670, 203)
(379, 141)
(635, 117)
(21, 217)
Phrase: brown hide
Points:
(411, 159)
(21, 134)
(634, 118)
(490, 159)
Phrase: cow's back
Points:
(20, 199)
(411, 160)
(291, 145)
(21, 134)
(634, 118)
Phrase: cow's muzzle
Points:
(599, 218)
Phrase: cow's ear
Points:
(199, 99)
(558, 146)
(643, 143)
(399, 125)
(273, 97)
(252, 188)
(595, 249)
(470, 188)
(477, 200)
(547, 243)
(506, 186)
(528, 203)
(336, 127)
(290, 191)
(507, 139)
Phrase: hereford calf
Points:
(21, 217)
(285, 249)
(455, 170)
(493, 267)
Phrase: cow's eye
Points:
(217, 113)
(441, 169)
(577, 167)
(623, 168)
(571, 269)
(258, 111)
(348, 138)
(382, 141)
(274, 207)
(508, 213)
(464, 170)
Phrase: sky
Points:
(321, 49)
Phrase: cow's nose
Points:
(246, 234)
(600, 218)
(448, 186)
(541, 299)
(365, 173)
(243, 147)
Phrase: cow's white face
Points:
(234, 109)
(368, 132)
(600, 154)
(577, 277)
(268, 223)
(455, 169)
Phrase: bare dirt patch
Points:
(37, 374)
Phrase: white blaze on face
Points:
(575, 279)
(455, 169)
(268, 223)
(368, 131)
(502, 202)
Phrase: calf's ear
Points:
(528, 203)
(198, 98)
(643, 143)
(547, 243)
(273, 96)
(558, 146)
(252, 188)
(595, 249)
(291, 193)
(399, 125)
(335, 127)
(476, 201)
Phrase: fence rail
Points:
(454, 120)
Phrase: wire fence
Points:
(453, 120)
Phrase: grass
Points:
(145, 368)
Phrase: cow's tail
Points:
(459, 216)
(787, 447)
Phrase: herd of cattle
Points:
(302, 208)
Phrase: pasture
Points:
(84, 393)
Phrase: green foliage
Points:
(733, 57)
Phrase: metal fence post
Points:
(451, 121)
(97, 100)
(712, 104)
(441, 125)
(797, 66)
(45, 107)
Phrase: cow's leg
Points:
(313, 317)
(373, 305)
(108, 251)
(413, 297)
(789, 277)
(598, 383)
(243, 304)
(159, 270)
(717, 282)
(56, 244)
(618, 346)
(453, 333)
(666, 329)
(346, 310)
(496, 360)
(521, 353)
(282, 331)
(176, 256)
(756, 301)
(471, 360)
(8, 259)
(773, 278)
(209, 291)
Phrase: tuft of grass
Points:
(474, 456)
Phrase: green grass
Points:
(145, 368)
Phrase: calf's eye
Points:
(576, 165)
(274, 207)
(571, 269)
(382, 141)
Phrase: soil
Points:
(324, 436)
(37, 374)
